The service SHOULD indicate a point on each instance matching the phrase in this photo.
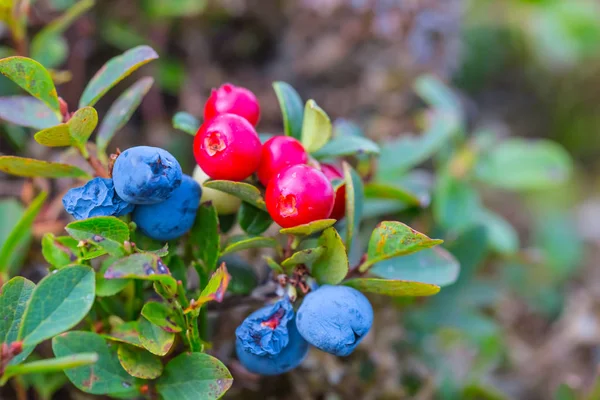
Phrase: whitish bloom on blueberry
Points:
(97, 198)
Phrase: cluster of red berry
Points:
(298, 189)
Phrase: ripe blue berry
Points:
(146, 175)
(335, 319)
(173, 217)
(97, 198)
(268, 342)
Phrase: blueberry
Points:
(335, 319)
(173, 217)
(268, 342)
(146, 175)
(97, 198)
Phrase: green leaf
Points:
(186, 122)
(252, 220)
(214, 290)
(241, 190)
(273, 265)
(108, 287)
(168, 9)
(435, 266)
(14, 297)
(310, 228)
(21, 233)
(55, 136)
(205, 236)
(291, 109)
(59, 251)
(108, 233)
(49, 365)
(121, 111)
(502, 237)
(127, 332)
(82, 124)
(241, 242)
(194, 376)
(30, 168)
(33, 77)
(106, 376)
(27, 111)
(347, 146)
(393, 239)
(456, 204)
(154, 339)
(306, 256)
(437, 94)
(392, 287)
(43, 44)
(316, 127)
(114, 71)
(387, 191)
(58, 303)
(521, 164)
(139, 363)
(161, 315)
(402, 154)
(332, 266)
(354, 202)
(144, 266)
(243, 277)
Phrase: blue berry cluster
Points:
(147, 182)
(274, 339)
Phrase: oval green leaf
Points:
(127, 332)
(437, 94)
(291, 108)
(239, 243)
(393, 239)
(144, 266)
(27, 111)
(456, 203)
(33, 77)
(186, 122)
(82, 124)
(347, 146)
(194, 376)
(114, 71)
(139, 363)
(375, 190)
(30, 168)
(521, 164)
(55, 136)
(154, 339)
(205, 238)
(14, 296)
(354, 202)
(161, 315)
(316, 127)
(109, 233)
(20, 235)
(332, 266)
(121, 111)
(241, 190)
(393, 287)
(306, 256)
(310, 228)
(435, 266)
(58, 303)
(106, 376)
(215, 289)
(252, 220)
(59, 251)
(502, 236)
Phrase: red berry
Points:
(339, 207)
(278, 153)
(298, 195)
(227, 147)
(230, 99)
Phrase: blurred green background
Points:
(523, 321)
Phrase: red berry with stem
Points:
(298, 195)
(339, 207)
(227, 147)
(230, 99)
(278, 153)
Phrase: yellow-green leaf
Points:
(316, 127)
(332, 266)
(55, 136)
(393, 287)
(310, 228)
(31, 168)
(186, 122)
(241, 190)
(82, 124)
(139, 363)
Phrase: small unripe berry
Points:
(278, 153)
(227, 147)
(339, 207)
(298, 195)
(224, 203)
(232, 100)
